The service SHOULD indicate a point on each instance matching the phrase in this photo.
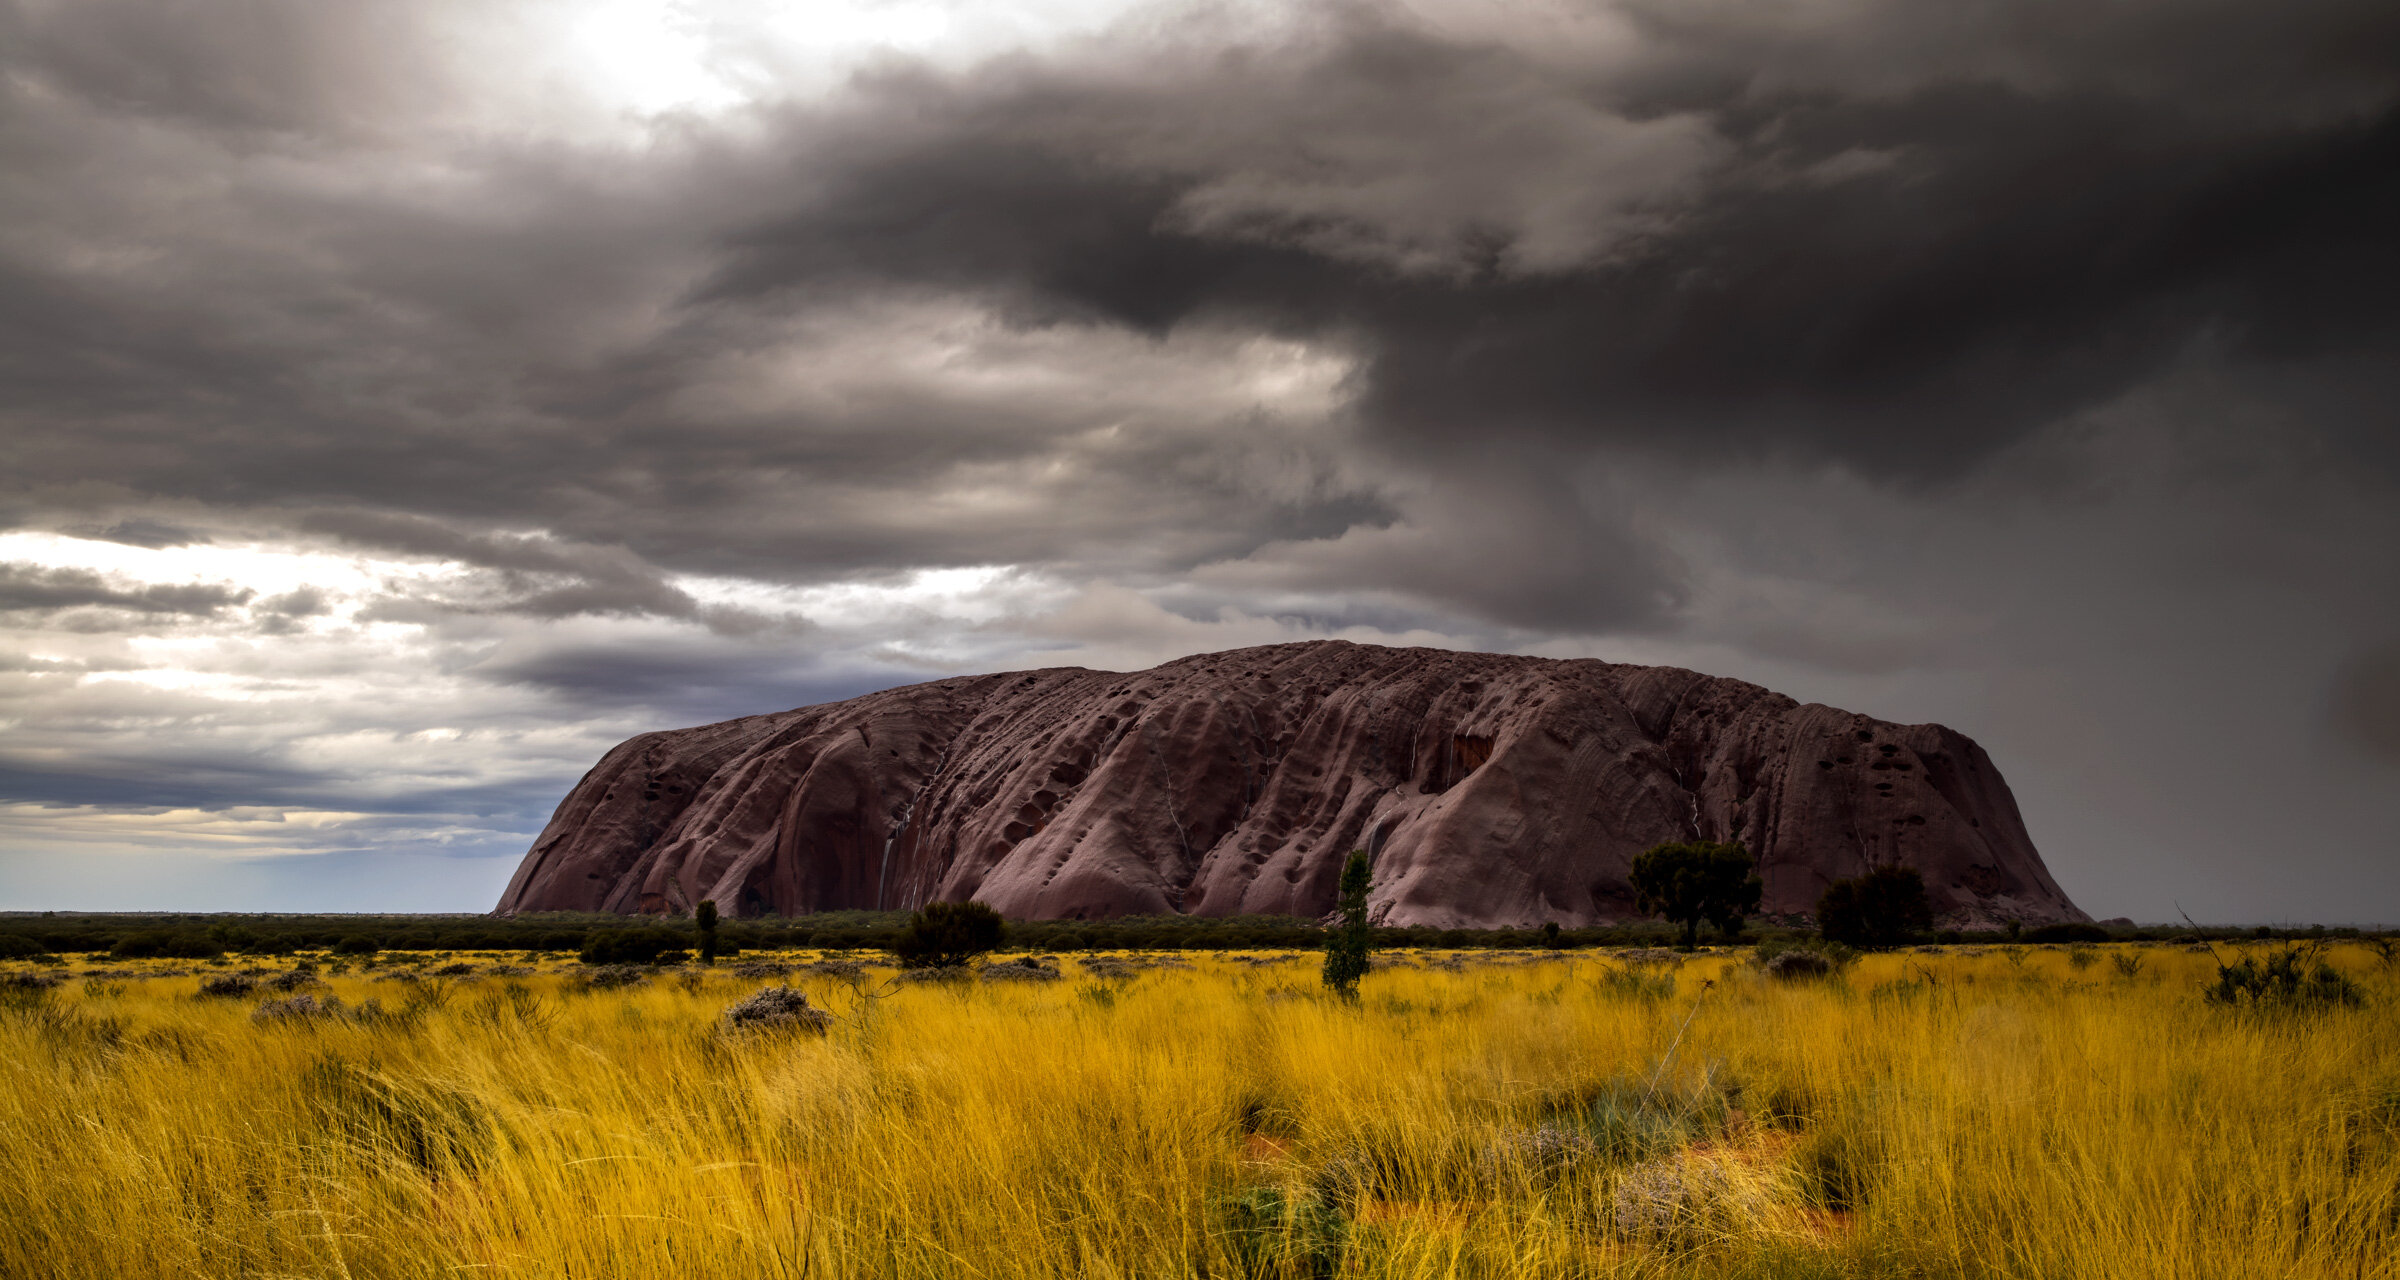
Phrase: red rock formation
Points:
(1491, 791)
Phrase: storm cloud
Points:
(486, 384)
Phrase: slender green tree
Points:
(1695, 880)
(706, 918)
(1347, 944)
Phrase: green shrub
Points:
(1691, 881)
(2067, 933)
(179, 944)
(943, 935)
(1882, 908)
(2296, 977)
(705, 919)
(651, 945)
(355, 945)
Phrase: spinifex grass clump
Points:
(1022, 969)
(777, 1009)
(300, 1008)
(1797, 964)
(427, 1123)
(2294, 977)
(1798, 961)
(1637, 977)
(608, 977)
(298, 979)
(1274, 1231)
(1681, 1206)
(1631, 1120)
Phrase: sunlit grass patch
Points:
(2010, 1112)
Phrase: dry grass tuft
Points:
(299, 1008)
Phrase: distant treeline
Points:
(196, 936)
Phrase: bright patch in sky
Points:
(654, 56)
(258, 567)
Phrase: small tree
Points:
(1696, 880)
(943, 935)
(1348, 943)
(706, 918)
(1879, 909)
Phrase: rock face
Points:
(1490, 791)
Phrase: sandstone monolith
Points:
(1490, 791)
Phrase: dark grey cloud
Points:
(536, 576)
(699, 684)
(1903, 281)
(18, 662)
(177, 780)
(300, 602)
(1731, 237)
(31, 587)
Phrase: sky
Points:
(402, 402)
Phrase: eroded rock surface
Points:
(1491, 790)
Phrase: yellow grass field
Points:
(2030, 1113)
